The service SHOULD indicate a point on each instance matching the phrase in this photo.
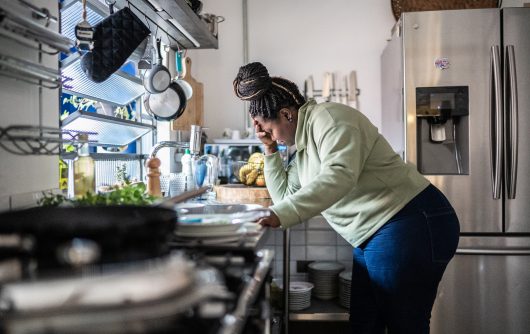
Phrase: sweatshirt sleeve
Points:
(281, 182)
(342, 150)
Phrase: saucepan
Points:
(157, 79)
(212, 21)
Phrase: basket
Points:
(401, 6)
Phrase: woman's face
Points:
(281, 129)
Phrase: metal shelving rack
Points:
(37, 140)
(320, 310)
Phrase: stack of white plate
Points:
(299, 295)
(344, 288)
(206, 229)
(323, 275)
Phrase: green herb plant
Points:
(130, 194)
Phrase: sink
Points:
(215, 208)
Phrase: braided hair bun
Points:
(267, 95)
(252, 81)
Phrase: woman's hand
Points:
(266, 139)
(270, 221)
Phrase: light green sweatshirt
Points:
(343, 169)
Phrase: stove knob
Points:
(78, 252)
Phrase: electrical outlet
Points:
(301, 266)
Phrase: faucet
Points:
(153, 164)
(162, 144)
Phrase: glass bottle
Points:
(84, 169)
(63, 175)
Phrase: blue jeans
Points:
(396, 272)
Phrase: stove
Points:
(188, 291)
(86, 282)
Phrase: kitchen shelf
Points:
(172, 20)
(176, 23)
(111, 131)
(237, 142)
(321, 310)
(119, 89)
(107, 156)
(19, 24)
(36, 140)
(29, 72)
(96, 11)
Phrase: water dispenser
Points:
(442, 124)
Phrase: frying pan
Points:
(117, 233)
(168, 105)
(157, 79)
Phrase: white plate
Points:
(326, 266)
(345, 275)
(180, 206)
(209, 226)
(207, 234)
(212, 241)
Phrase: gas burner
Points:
(147, 298)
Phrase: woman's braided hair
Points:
(267, 95)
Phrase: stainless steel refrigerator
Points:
(456, 102)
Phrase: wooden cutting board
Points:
(194, 112)
(241, 194)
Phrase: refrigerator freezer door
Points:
(461, 40)
(516, 25)
(485, 289)
(392, 124)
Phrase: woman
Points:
(402, 228)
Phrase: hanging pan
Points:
(157, 78)
(168, 105)
(171, 103)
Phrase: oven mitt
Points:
(115, 39)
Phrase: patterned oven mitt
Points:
(115, 39)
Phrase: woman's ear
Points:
(285, 112)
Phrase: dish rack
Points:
(37, 140)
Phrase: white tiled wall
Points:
(313, 240)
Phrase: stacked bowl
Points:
(344, 288)
(323, 275)
(299, 295)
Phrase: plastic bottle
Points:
(187, 170)
(84, 170)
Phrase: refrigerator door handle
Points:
(493, 251)
(496, 121)
(511, 115)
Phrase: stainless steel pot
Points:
(212, 21)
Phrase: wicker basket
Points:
(400, 6)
